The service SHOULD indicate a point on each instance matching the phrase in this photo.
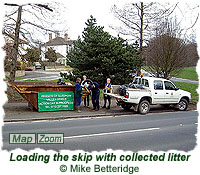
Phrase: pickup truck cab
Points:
(146, 91)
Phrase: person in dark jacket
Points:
(78, 93)
(95, 95)
(107, 89)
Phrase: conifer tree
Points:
(98, 55)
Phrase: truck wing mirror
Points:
(176, 88)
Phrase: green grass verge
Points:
(188, 73)
(46, 81)
(16, 78)
(192, 88)
(33, 81)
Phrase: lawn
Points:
(190, 88)
(188, 73)
(32, 81)
(16, 78)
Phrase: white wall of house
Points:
(62, 49)
(61, 60)
(59, 49)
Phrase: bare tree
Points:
(33, 20)
(36, 21)
(166, 53)
(144, 21)
(139, 19)
(192, 54)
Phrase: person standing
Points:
(107, 89)
(78, 93)
(95, 95)
(86, 85)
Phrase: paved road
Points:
(53, 75)
(156, 132)
(41, 75)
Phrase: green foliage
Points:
(98, 55)
(192, 88)
(50, 54)
(32, 55)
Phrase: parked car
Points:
(28, 69)
(37, 65)
(146, 91)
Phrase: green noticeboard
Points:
(55, 101)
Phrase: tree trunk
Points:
(141, 33)
(15, 46)
(141, 26)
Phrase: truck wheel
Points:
(126, 106)
(182, 105)
(144, 107)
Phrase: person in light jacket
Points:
(87, 98)
(107, 89)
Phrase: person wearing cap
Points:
(87, 98)
(107, 89)
(78, 93)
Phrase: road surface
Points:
(48, 76)
(156, 132)
(41, 75)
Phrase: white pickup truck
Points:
(146, 91)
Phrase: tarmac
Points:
(20, 112)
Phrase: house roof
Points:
(59, 55)
(58, 41)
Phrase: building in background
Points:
(61, 45)
(23, 45)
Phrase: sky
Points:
(76, 12)
(80, 11)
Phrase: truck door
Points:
(158, 93)
(171, 94)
